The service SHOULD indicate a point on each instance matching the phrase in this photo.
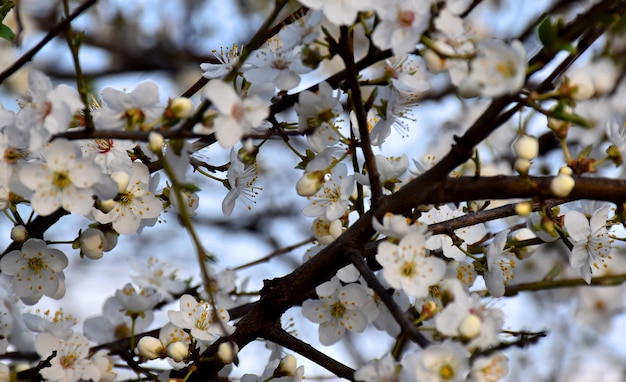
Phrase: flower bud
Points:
(309, 184)
(150, 347)
(526, 147)
(522, 166)
(177, 351)
(562, 185)
(580, 84)
(155, 142)
(523, 209)
(227, 352)
(19, 233)
(92, 243)
(470, 327)
(105, 205)
(429, 310)
(287, 367)
(121, 178)
(181, 107)
(527, 251)
(110, 240)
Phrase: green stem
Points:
(80, 78)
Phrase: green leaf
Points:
(6, 33)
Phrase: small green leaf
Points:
(6, 33)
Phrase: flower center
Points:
(68, 360)
(506, 68)
(35, 264)
(446, 372)
(104, 145)
(337, 309)
(237, 111)
(406, 18)
(121, 331)
(126, 198)
(61, 179)
(408, 269)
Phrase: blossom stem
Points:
(74, 45)
(372, 281)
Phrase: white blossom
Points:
(337, 309)
(36, 271)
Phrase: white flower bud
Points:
(105, 205)
(177, 351)
(524, 208)
(181, 107)
(19, 233)
(110, 241)
(287, 367)
(522, 166)
(92, 243)
(308, 184)
(121, 178)
(581, 83)
(150, 347)
(526, 147)
(470, 327)
(565, 170)
(527, 251)
(562, 185)
(227, 351)
(155, 142)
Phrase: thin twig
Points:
(60, 27)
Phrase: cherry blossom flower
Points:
(273, 373)
(110, 154)
(58, 324)
(390, 169)
(466, 316)
(227, 60)
(331, 201)
(471, 234)
(236, 117)
(114, 323)
(204, 322)
(48, 110)
(376, 370)
(316, 108)
(37, 271)
(407, 266)
(65, 180)
(241, 180)
(276, 65)
(406, 73)
(446, 362)
(302, 31)
(402, 24)
(393, 226)
(337, 309)
(500, 265)
(592, 244)
(493, 367)
(499, 68)
(134, 204)
(339, 12)
(130, 111)
(70, 363)
(137, 303)
(160, 276)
